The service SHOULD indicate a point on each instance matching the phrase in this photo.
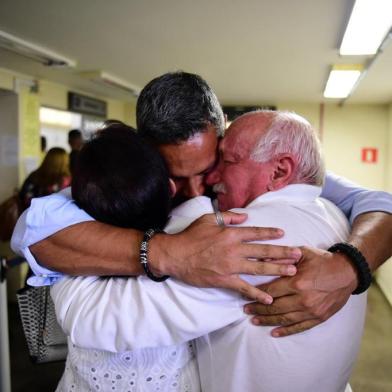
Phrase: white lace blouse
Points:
(153, 369)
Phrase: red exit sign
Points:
(369, 155)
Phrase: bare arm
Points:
(324, 281)
(372, 235)
(204, 255)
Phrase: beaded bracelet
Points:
(358, 261)
(144, 258)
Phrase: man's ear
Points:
(173, 188)
(283, 171)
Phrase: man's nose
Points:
(194, 187)
(213, 177)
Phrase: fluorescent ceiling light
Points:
(108, 80)
(369, 23)
(33, 52)
(341, 81)
(59, 118)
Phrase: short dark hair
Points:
(121, 180)
(74, 134)
(43, 143)
(175, 106)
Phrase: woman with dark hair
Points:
(52, 176)
(121, 180)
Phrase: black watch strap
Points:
(358, 261)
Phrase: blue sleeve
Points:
(354, 200)
(46, 216)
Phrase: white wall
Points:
(384, 273)
(8, 143)
(347, 130)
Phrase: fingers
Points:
(282, 320)
(276, 252)
(280, 306)
(295, 328)
(233, 218)
(247, 290)
(279, 287)
(263, 268)
(281, 261)
(257, 233)
(244, 233)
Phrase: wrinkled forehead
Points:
(243, 134)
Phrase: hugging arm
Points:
(325, 281)
(120, 314)
(55, 235)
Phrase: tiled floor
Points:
(373, 371)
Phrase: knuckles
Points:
(299, 284)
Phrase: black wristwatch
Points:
(358, 261)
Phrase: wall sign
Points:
(369, 155)
(86, 105)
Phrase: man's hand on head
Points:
(322, 286)
(208, 255)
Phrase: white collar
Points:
(292, 192)
(193, 206)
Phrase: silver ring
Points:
(219, 219)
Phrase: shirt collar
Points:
(292, 192)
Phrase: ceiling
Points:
(251, 51)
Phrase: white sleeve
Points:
(46, 216)
(122, 314)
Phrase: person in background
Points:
(43, 146)
(52, 176)
(75, 141)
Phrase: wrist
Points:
(358, 261)
(348, 271)
(144, 256)
(158, 255)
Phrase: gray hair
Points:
(291, 133)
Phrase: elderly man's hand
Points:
(322, 285)
(208, 255)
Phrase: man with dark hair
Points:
(177, 112)
(206, 254)
(75, 141)
(192, 107)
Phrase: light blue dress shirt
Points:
(50, 214)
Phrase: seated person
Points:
(270, 168)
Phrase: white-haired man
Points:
(270, 167)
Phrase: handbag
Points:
(10, 210)
(46, 340)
